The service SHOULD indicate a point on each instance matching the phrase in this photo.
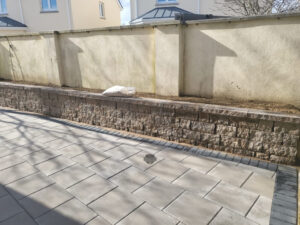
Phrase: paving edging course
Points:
(255, 133)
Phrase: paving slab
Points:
(260, 184)
(72, 212)
(197, 182)
(8, 208)
(9, 161)
(158, 193)
(138, 161)
(28, 185)
(19, 219)
(122, 151)
(150, 148)
(90, 158)
(99, 221)
(115, 205)
(260, 212)
(40, 156)
(200, 211)
(231, 174)
(109, 167)
(74, 150)
(2, 191)
(16, 172)
(103, 145)
(167, 169)
(71, 175)
(232, 197)
(91, 188)
(202, 165)
(131, 179)
(227, 217)
(172, 154)
(54, 165)
(27, 149)
(45, 200)
(148, 215)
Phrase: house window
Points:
(49, 5)
(101, 9)
(3, 9)
(166, 1)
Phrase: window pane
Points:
(101, 9)
(53, 4)
(3, 6)
(45, 4)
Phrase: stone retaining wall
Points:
(255, 133)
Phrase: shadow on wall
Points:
(201, 52)
(70, 65)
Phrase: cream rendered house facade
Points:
(141, 7)
(49, 15)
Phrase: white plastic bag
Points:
(120, 91)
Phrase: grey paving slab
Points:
(150, 148)
(16, 172)
(227, 217)
(230, 174)
(57, 144)
(260, 184)
(45, 138)
(28, 185)
(9, 161)
(109, 167)
(139, 161)
(260, 212)
(91, 188)
(4, 151)
(260, 171)
(231, 197)
(71, 175)
(74, 150)
(202, 165)
(103, 145)
(8, 208)
(168, 170)
(99, 221)
(115, 205)
(19, 219)
(28, 149)
(128, 141)
(90, 158)
(122, 151)
(72, 212)
(45, 200)
(148, 215)
(197, 182)
(54, 165)
(158, 193)
(200, 211)
(131, 179)
(172, 154)
(40, 156)
(2, 191)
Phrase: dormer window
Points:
(166, 1)
(49, 6)
(3, 9)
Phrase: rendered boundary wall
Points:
(259, 134)
(255, 58)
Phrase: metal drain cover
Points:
(150, 158)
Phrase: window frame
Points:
(1, 8)
(101, 10)
(49, 10)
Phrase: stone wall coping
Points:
(166, 104)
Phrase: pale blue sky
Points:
(125, 14)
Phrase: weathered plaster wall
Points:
(246, 59)
(254, 133)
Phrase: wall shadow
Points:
(201, 52)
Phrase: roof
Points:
(160, 13)
(8, 22)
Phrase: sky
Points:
(125, 14)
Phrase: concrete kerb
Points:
(284, 204)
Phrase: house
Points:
(49, 15)
(148, 11)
